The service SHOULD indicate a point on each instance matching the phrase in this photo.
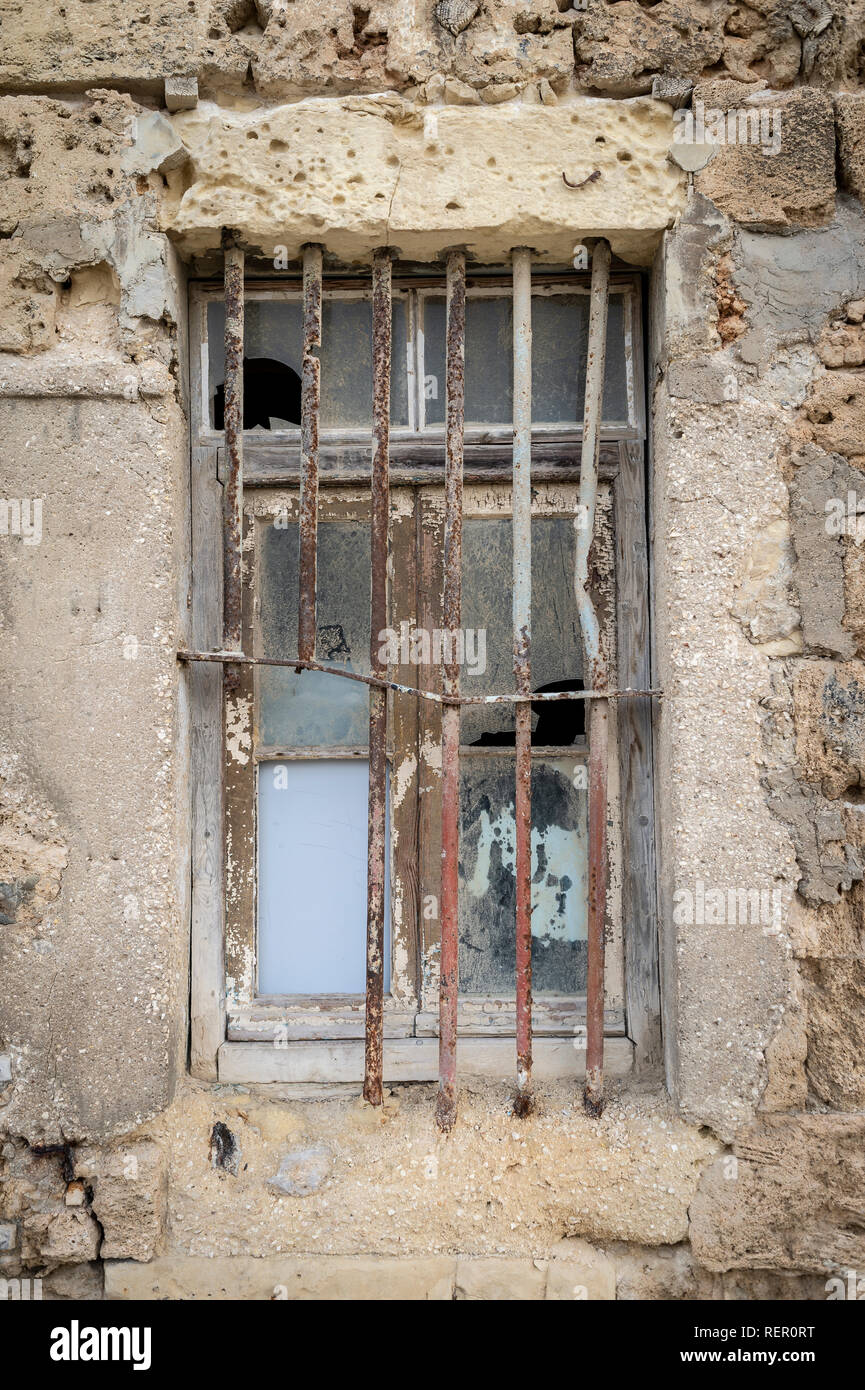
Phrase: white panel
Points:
(312, 838)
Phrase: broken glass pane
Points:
(273, 345)
(488, 625)
(310, 709)
(487, 895)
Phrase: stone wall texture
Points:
(130, 134)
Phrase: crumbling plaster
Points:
(757, 411)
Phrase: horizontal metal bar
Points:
(238, 659)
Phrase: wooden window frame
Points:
(274, 1039)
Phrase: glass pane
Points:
(310, 709)
(487, 616)
(489, 361)
(560, 326)
(487, 902)
(560, 337)
(273, 339)
(312, 876)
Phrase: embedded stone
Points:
(303, 1171)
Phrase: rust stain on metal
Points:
(521, 512)
(598, 725)
(452, 618)
(310, 400)
(597, 676)
(377, 836)
(233, 424)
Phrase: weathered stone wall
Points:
(129, 135)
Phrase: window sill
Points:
(410, 1059)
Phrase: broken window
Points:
(295, 764)
(273, 351)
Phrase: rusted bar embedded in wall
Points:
(521, 512)
(452, 619)
(595, 675)
(310, 396)
(233, 423)
(377, 837)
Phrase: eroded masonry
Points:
(432, 524)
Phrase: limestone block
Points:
(76, 1283)
(787, 1084)
(73, 159)
(850, 129)
(69, 1236)
(619, 48)
(666, 1274)
(129, 1194)
(836, 412)
(577, 1271)
(370, 171)
(780, 172)
(792, 1200)
(283, 1279)
(500, 1279)
(85, 42)
(835, 999)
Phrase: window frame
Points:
(405, 439)
(294, 1039)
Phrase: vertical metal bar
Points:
(233, 424)
(452, 618)
(310, 396)
(596, 677)
(521, 511)
(377, 837)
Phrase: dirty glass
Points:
(310, 709)
(560, 330)
(487, 892)
(273, 333)
(488, 626)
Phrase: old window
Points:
(280, 886)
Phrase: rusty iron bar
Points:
(377, 836)
(232, 502)
(452, 619)
(310, 401)
(228, 658)
(595, 669)
(521, 513)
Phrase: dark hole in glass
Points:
(271, 390)
(559, 722)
